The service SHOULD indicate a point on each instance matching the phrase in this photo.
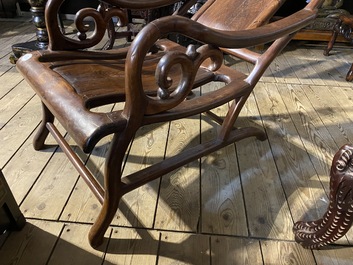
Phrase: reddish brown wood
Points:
(154, 78)
(338, 218)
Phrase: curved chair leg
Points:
(42, 132)
(114, 188)
(349, 76)
(339, 216)
(331, 43)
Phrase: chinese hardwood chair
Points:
(71, 80)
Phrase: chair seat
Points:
(107, 78)
(92, 83)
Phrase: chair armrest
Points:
(213, 37)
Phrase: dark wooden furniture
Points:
(41, 41)
(339, 216)
(153, 78)
(344, 26)
(148, 15)
(11, 217)
(7, 8)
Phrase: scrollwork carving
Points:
(101, 18)
(189, 62)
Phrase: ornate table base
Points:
(339, 216)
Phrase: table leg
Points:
(37, 10)
(339, 216)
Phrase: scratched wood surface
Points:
(235, 206)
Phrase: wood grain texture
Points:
(138, 208)
(303, 188)
(10, 78)
(179, 198)
(50, 193)
(266, 206)
(222, 204)
(33, 244)
(180, 248)
(281, 253)
(16, 131)
(73, 247)
(235, 251)
(132, 246)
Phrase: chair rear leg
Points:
(332, 40)
(231, 117)
(42, 132)
(349, 76)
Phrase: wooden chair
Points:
(153, 78)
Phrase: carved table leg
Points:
(339, 216)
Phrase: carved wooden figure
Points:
(154, 78)
(339, 216)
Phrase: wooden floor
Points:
(236, 206)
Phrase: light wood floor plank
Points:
(306, 63)
(32, 245)
(285, 253)
(235, 251)
(130, 246)
(73, 247)
(139, 206)
(266, 206)
(184, 249)
(14, 101)
(16, 132)
(53, 188)
(82, 205)
(10, 78)
(334, 256)
(179, 198)
(299, 179)
(222, 204)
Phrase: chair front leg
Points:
(114, 188)
(42, 132)
(349, 76)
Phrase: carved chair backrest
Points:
(237, 14)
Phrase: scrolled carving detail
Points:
(101, 17)
(168, 96)
(339, 216)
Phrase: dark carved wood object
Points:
(153, 78)
(339, 216)
(11, 217)
(343, 26)
(41, 42)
